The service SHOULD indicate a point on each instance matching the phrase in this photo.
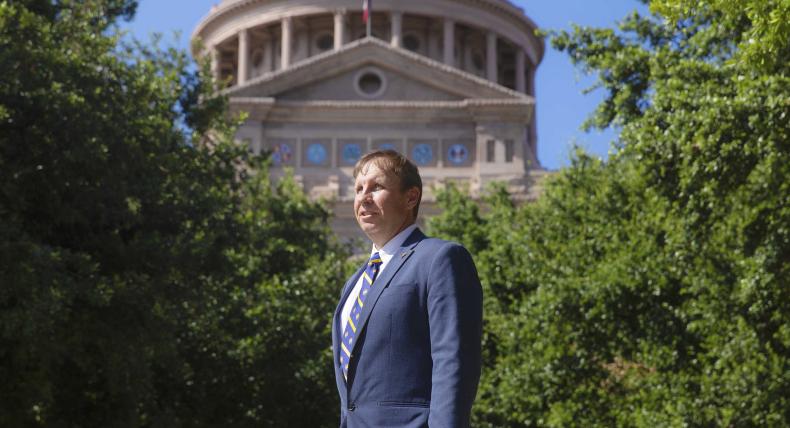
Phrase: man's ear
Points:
(412, 197)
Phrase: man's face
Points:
(380, 207)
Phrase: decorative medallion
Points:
(351, 153)
(457, 154)
(316, 154)
(282, 154)
(422, 154)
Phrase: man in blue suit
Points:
(406, 334)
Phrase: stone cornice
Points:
(477, 110)
(258, 108)
(388, 105)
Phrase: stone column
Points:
(532, 131)
(285, 40)
(340, 28)
(449, 42)
(244, 57)
(521, 84)
(216, 58)
(491, 57)
(396, 18)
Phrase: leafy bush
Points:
(652, 289)
(148, 277)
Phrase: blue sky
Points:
(561, 106)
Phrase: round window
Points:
(282, 154)
(422, 154)
(351, 153)
(316, 154)
(411, 42)
(370, 83)
(325, 42)
(457, 154)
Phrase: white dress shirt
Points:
(386, 253)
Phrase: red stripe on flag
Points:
(365, 10)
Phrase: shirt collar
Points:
(391, 247)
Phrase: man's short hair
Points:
(397, 164)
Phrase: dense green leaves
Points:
(150, 273)
(652, 289)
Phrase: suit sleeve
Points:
(455, 317)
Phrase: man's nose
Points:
(364, 195)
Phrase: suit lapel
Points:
(383, 280)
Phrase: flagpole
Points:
(370, 18)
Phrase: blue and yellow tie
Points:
(350, 333)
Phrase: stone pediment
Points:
(402, 76)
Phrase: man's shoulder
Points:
(430, 245)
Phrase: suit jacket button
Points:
(352, 407)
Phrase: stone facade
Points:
(449, 83)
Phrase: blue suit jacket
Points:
(416, 360)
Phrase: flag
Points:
(365, 10)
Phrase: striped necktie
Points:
(350, 333)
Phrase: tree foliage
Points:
(652, 289)
(150, 273)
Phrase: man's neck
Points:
(378, 247)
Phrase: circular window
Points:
(422, 154)
(411, 42)
(370, 83)
(351, 153)
(457, 154)
(316, 154)
(282, 154)
(325, 42)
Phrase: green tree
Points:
(150, 272)
(655, 284)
